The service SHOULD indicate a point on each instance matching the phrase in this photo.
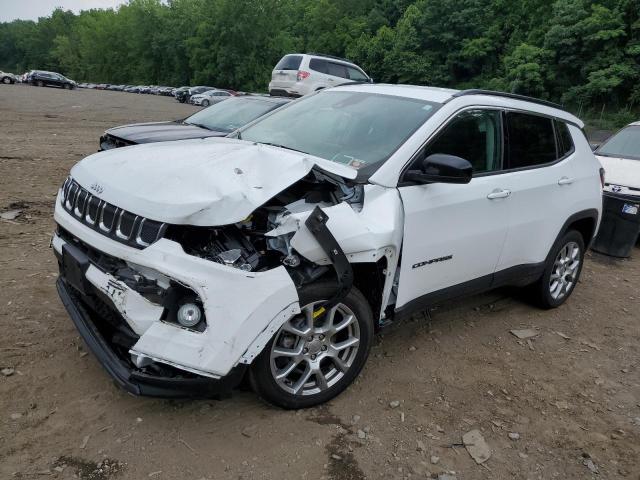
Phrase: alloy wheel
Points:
(565, 270)
(315, 349)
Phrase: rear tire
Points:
(40, 83)
(562, 271)
(311, 360)
(6, 80)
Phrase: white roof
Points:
(443, 95)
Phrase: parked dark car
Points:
(183, 96)
(42, 78)
(216, 121)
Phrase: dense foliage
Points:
(573, 51)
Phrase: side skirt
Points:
(520, 276)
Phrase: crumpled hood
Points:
(211, 182)
(621, 171)
(161, 132)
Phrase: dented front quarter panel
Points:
(365, 234)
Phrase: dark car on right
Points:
(218, 120)
(42, 78)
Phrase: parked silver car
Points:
(209, 97)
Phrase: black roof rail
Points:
(329, 56)
(515, 96)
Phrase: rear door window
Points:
(337, 70)
(530, 140)
(289, 62)
(318, 65)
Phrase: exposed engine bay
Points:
(249, 246)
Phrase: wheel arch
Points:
(584, 222)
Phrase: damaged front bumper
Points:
(130, 378)
(157, 357)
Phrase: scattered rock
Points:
(336, 457)
(566, 337)
(10, 215)
(361, 434)
(7, 372)
(439, 429)
(421, 446)
(435, 459)
(412, 348)
(15, 416)
(153, 474)
(476, 445)
(624, 370)
(355, 419)
(525, 333)
(561, 405)
(514, 436)
(446, 476)
(85, 440)
(394, 403)
(590, 465)
(591, 345)
(523, 455)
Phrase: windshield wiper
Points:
(197, 125)
(282, 146)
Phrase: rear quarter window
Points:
(565, 141)
(289, 62)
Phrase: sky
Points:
(32, 9)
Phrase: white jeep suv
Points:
(299, 74)
(279, 253)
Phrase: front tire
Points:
(40, 83)
(562, 271)
(6, 80)
(205, 103)
(314, 357)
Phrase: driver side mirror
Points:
(441, 168)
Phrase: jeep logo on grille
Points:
(96, 187)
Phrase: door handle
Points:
(499, 193)
(565, 181)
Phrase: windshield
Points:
(625, 143)
(353, 128)
(231, 114)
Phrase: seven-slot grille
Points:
(111, 221)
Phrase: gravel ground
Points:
(571, 393)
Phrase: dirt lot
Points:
(572, 393)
